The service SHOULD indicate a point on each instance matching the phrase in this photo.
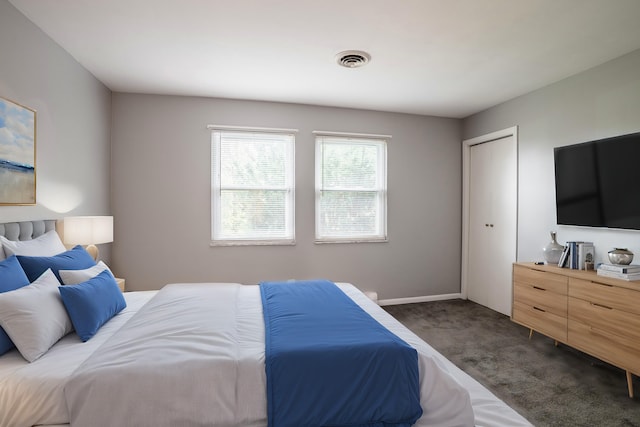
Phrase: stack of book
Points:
(624, 272)
(576, 255)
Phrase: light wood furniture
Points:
(594, 314)
(120, 283)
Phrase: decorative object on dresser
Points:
(553, 250)
(621, 256)
(17, 154)
(88, 230)
(578, 256)
(620, 271)
(586, 255)
(590, 312)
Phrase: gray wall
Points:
(598, 103)
(161, 198)
(72, 122)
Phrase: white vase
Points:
(552, 251)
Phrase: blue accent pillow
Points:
(92, 303)
(12, 277)
(75, 259)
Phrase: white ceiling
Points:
(447, 58)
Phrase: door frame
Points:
(466, 173)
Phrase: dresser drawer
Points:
(610, 296)
(536, 296)
(616, 322)
(541, 321)
(544, 280)
(611, 348)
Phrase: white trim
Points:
(350, 135)
(466, 153)
(411, 300)
(380, 191)
(251, 129)
(290, 229)
(512, 131)
(283, 242)
(350, 240)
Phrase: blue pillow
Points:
(74, 259)
(92, 303)
(11, 277)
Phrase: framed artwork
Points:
(17, 154)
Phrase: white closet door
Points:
(492, 223)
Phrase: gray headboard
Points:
(26, 230)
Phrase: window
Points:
(351, 188)
(252, 186)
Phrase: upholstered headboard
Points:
(26, 230)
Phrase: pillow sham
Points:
(34, 316)
(11, 277)
(74, 259)
(93, 303)
(47, 244)
(74, 277)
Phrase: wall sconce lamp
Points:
(88, 230)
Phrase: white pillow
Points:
(48, 244)
(74, 277)
(34, 316)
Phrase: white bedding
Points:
(32, 394)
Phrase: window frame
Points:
(381, 185)
(216, 188)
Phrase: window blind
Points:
(351, 190)
(252, 187)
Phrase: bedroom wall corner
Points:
(73, 119)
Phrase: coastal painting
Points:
(17, 154)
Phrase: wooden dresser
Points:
(597, 315)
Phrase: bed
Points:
(58, 388)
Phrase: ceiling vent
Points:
(353, 58)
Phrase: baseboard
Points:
(411, 300)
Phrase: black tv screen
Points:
(598, 183)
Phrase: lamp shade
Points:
(88, 230)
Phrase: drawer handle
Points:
(539, 288)
(595, 304)
(602, 284)
(539, 309)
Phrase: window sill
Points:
(253, 243)
(354, 240)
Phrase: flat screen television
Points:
(598, 183)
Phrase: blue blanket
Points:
(329, 363)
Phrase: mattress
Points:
(33, 394)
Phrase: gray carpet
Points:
(548, 385)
